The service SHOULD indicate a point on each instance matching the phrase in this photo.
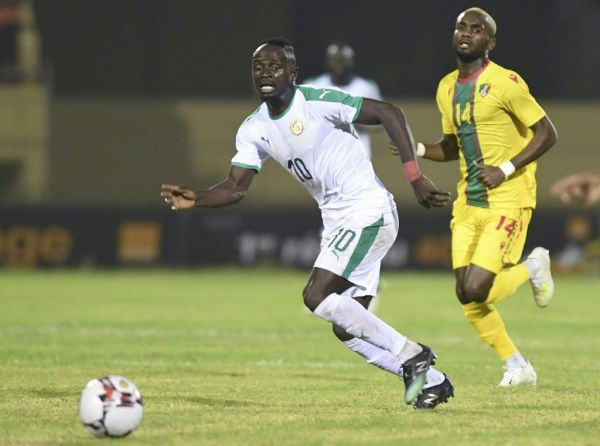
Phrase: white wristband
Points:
(508, 168)
(420, 149)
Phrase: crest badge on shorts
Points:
(296, 127)
(484, 89)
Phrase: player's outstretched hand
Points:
(581, 188)
(178, 197)
(490, 176)
(428, 195)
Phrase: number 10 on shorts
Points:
(342, 240)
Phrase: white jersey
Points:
(315, 141)
(358, 86)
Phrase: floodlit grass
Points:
(229, 357)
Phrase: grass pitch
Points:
(229, 357)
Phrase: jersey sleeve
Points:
(249, 153)
(445, 107)
(334, 104)
(519, 101)
(350, 108)
(341, 106)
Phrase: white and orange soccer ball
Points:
(111, 406)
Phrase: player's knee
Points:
(475, 291)
(312, 298)
(365, 301)
(461, 295)
(340, 333)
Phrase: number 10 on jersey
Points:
(299, 168)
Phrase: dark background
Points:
(202, 48)
(130, 94)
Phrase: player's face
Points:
(271, 72)
(471, 38)
(338, 64)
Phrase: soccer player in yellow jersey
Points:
(497, 131)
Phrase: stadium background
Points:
(112, 98)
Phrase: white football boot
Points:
(542, 283)
(519, 376)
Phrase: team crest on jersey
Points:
(513, 77)
(484, 89)
(297, 127)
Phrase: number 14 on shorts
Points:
(509, 227)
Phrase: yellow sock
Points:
(507, 282)
(488, 324)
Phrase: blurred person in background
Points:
(310, 132)
(494, 126)
(340, 63)
(10, 20)
(579, 188)
(580, 243)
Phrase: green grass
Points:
(229, 357)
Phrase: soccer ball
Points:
(111, 406)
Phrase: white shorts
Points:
(354, 248)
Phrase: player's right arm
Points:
(229, 191)
(446, 149)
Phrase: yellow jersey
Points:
(490, 113)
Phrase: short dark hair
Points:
(288, 48)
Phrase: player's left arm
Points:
(518, 101)
(544, 137)
(392, 118)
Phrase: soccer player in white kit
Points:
(310, 133)
(340, 62)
